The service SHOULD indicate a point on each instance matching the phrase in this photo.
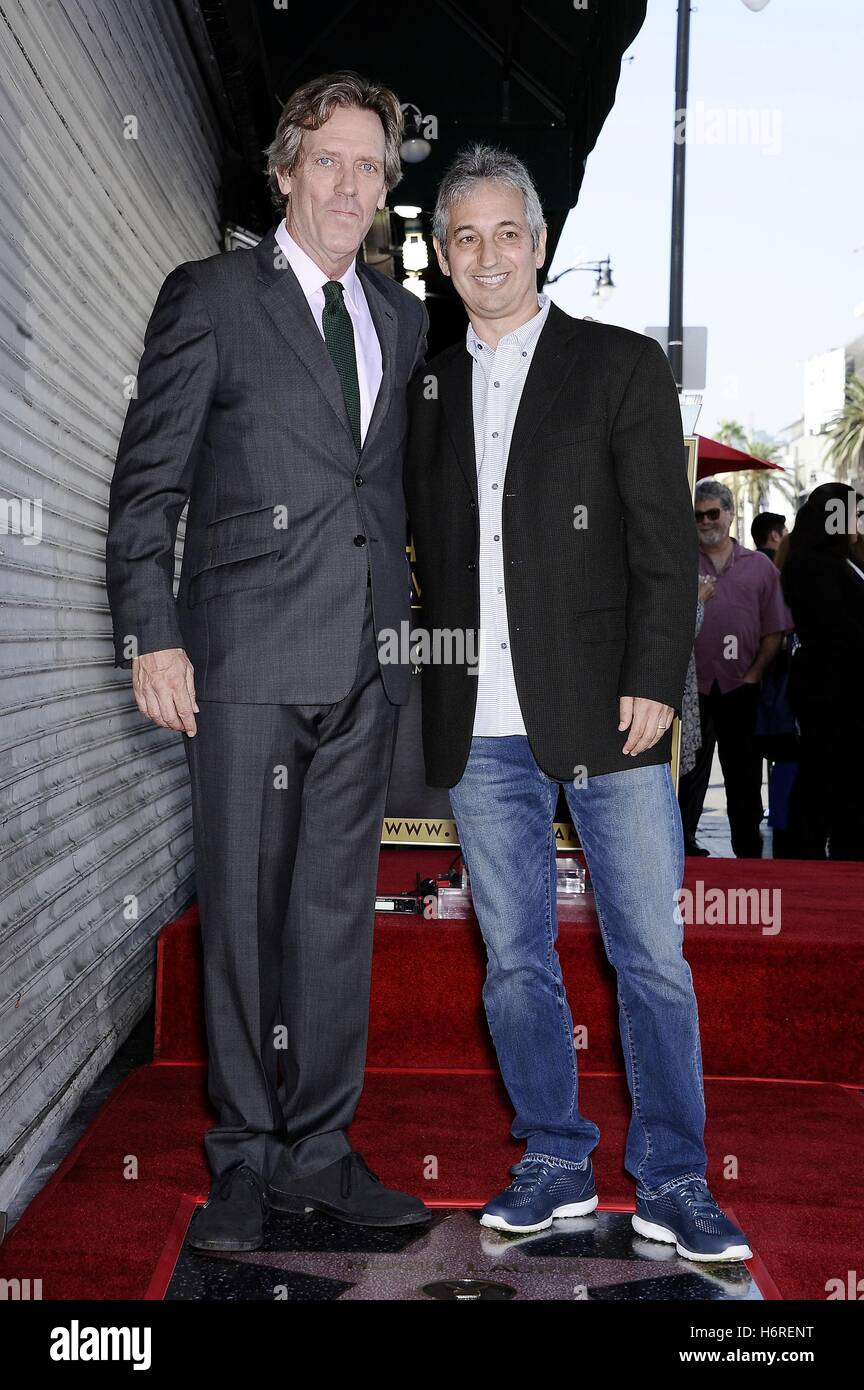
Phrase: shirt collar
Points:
(730, 558)
(311, 277)
(521, 337)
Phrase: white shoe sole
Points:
(663, 1233)
(497, 1223)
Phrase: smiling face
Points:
(491, 259)
(336, 187)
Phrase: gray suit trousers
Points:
(287, 805)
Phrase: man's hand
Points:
(644, 718)
(164, 688)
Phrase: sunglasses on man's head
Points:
(712, 514)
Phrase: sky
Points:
(774, 223)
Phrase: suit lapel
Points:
(456, 396)
(384, 319)
(281, 296)
(551, 364)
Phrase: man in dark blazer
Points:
(552, 522)
(272, 395)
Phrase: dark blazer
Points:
(594, 612)
(239, 408)
(826, 598)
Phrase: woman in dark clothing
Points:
(823, 584)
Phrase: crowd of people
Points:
(777, 674)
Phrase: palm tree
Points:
(749, 486)
(760, 481)
(846, 434)
(731, 433)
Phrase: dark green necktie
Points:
(339, 337)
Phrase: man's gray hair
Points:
(711, 488)
(474, 164)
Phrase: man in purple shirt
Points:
(745, 619)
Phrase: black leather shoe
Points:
(350, 1191)
(232, 1218)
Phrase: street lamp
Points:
(415, 147)
(602, 271)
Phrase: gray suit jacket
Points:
(239, 408)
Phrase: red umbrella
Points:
(714, 457)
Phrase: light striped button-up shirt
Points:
(498, 376)
(368, 349)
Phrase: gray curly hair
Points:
(711, 488)
(472, 165)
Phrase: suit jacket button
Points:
(359, 480)
(359, 540)
(472, 564)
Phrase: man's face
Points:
(490, 257)
(712, 521)
(336, 186)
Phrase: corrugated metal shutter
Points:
(109, 164)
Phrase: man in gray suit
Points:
(272, 395)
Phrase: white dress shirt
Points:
(498, 376)
(366, 345)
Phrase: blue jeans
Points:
(629, 826)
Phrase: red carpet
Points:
(771, 1006)
(780, 1005)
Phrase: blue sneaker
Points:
(688, 1217)
(541, 1190)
